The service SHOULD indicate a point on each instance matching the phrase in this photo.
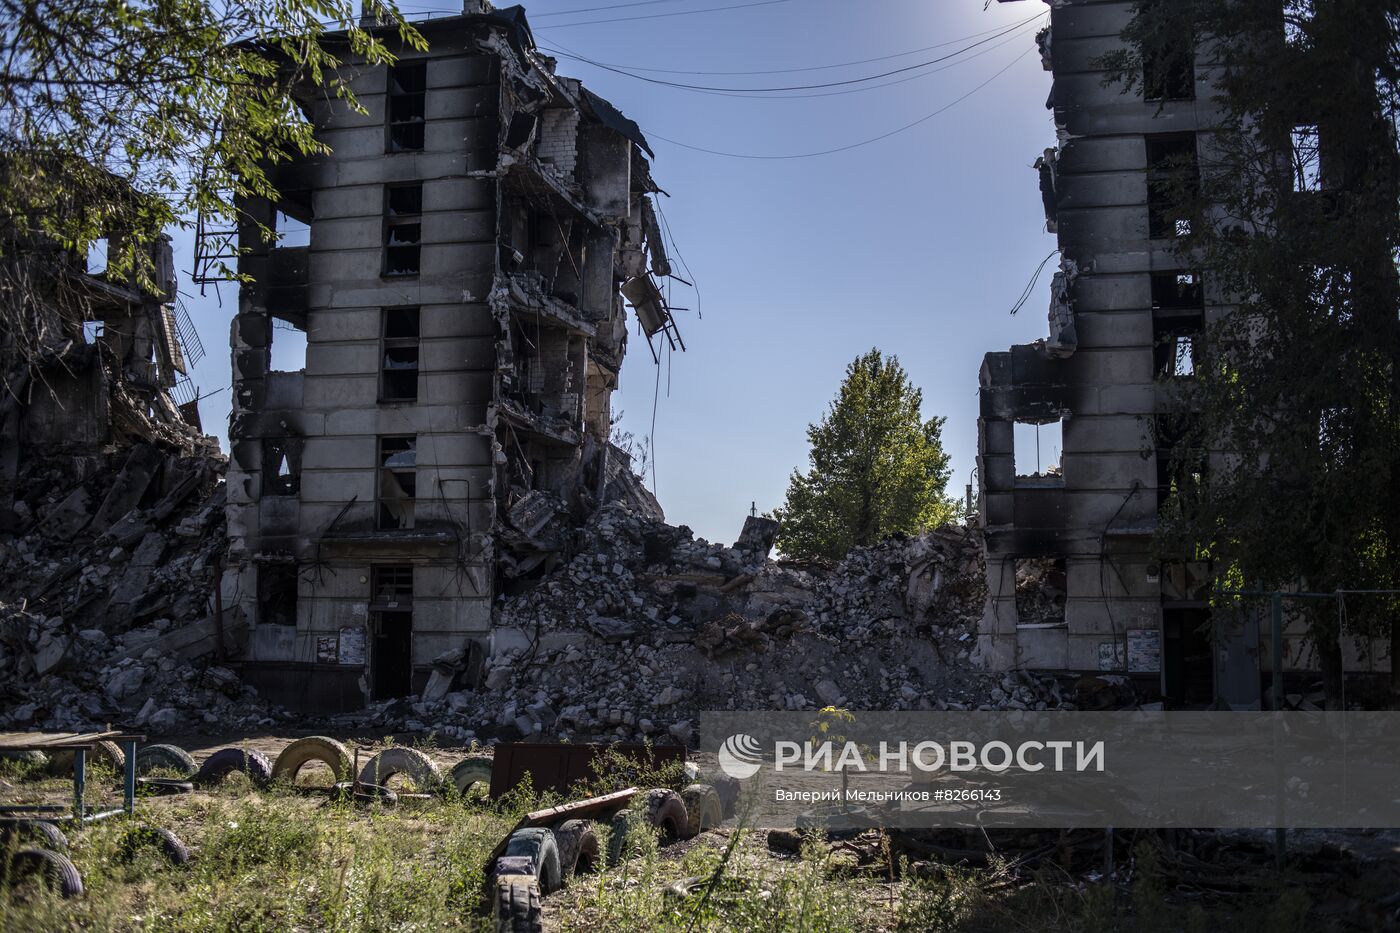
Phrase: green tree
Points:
(877, 467)
(1288, 457)
(122, 118)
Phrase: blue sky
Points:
(918, 244)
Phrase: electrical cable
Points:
(629, 19)
(595, 9)
(780, 71)
(745, 95)
(856, 145)
(798, 87)
(1030, 286)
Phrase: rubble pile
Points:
(106, 586)
(648, 625)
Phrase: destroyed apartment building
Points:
(1072, 581)
(456, 265)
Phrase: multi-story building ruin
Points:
(468, 241)
(1072, 583)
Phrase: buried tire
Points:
(169, 844)
(61, 760)
(666, 811)
(623, 832)
(518, 908)
(303, 752)
(54, 867)
(228, 760)
(167, 758)
(577, 842)
(703, 809)
(472, 772)
(538, 845)
(410, 762)
(36, 832)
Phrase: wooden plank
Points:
(579, 809)
(14, 741)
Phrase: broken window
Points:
(277, 594)
(407, 105)
(291, 232)
(1169, 66)
(403, 229)
(1040, 590)
(289, 347)
(1036, 450)
(97, 257)
(398, 481)
(392, 585)
(1180, 474)
(1173, 183)
(281, 466)
(398, 375)
(1305, 157)
(1178, 320)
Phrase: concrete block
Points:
(331, 392)
(336, 359)
(467, 70)
(457, 354)
(1101, 189)
(338, 487)
(333, 453)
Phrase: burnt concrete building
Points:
(1072, 583)
(466, 245)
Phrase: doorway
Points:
(1187, 662)
(391, 663)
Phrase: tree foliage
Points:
(877, 467)
(1288, 456)
(121, 118)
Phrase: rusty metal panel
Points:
(557, 767)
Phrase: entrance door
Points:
(1188, 661)
(391, 664)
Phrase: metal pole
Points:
(129, 777)
(79, 781)
(1280, 834)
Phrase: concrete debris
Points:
(106, 614)
(647, 625)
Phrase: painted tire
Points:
(703, 809)
(472, 771)
(228, 760)
(728, 790)
(37, 832)
(538, 844)
(175, 851)
(666, 811)
(578, 847)
(55, 867)
(61, 761)
(407, 761)
(312, 748)
(168, 757)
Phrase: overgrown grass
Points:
(277, 860)
(282, 859)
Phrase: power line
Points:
(628, 19)
(857, 145)
(796, 87)
(781, 71)
(857, 90)
(595, 9)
